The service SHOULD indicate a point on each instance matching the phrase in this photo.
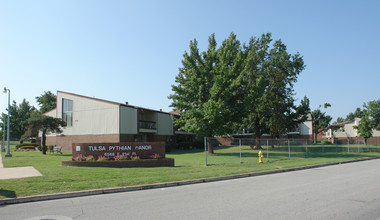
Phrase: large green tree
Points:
(46, 101)
(192, 90)
(270, 75)
(279, 95)
(254, 85)
(206, 88)
(44, 124)
(236, 86)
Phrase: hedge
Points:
(27, 146)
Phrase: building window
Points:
(67, 111)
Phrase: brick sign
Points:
(144, 150)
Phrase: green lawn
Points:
(189, 164)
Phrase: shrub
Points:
(199, 144)
(184, 145)
(325, 142)
(121, 157)
(292, 143)
(135, 158)
(40, 148)
(27, 145)
(89, 158)
(103, 158)
(254, 147)
(156, 156)
(169, 147)
(80, 157)
(191, 145)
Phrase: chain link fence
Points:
(278, 149)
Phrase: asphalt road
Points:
(347, 191)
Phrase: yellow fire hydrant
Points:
(260, 157)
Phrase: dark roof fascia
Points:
(50, 111)
(86, 97)
(339, 124)
(145, 109)
(111, 102)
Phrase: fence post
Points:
(367, 146)
(306, 150)
(267, 151)
(357, 142)
(289, 147)
(240, 148)
(205, 140)
(348, 147)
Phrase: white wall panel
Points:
(306, 128)
(164, 124)
(128, 120)
(90, 116)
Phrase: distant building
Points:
(303, 131)
(349, 132)
(92, 120)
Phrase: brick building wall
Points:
(66, 141)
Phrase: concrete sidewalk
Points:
(17, 172)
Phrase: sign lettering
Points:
(143, 150)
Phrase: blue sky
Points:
(131, 50)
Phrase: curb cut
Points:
(162, 185)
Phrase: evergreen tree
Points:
(321, 121)
(352, 115)
(46, 125)
(339, 120)
(47, 101)
(18, 115)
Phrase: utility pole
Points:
(9, 98)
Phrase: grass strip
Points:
(189, 164)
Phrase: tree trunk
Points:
(209, 146)
(258, 143)
(257, 134)
(43, 148)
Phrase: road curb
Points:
(162, 185)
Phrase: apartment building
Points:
(348, 132)
(92, 120)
